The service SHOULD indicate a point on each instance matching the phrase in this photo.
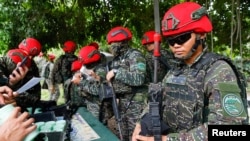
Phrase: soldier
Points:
(193, 91)
(29, 47)
(93, 71)
(127, 72)
(40, 61)
(62, 67)
(165, 61)
(47, 74)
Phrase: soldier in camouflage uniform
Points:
(71, 91)
(29, 47)
(92, 71)
(61, 71)
(47, 73)
(193, 91)
(127, 72)
(165, 62)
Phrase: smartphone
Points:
(20, 65)
(23, 62)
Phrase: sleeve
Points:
(93, 87)
(135, 74)
(221, 90)
(33, 95)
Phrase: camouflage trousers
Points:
(102, 111)
(53, 96)
(130, 111)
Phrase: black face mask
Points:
(118, 48)
(115, 49)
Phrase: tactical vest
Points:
(184, 94)
(67, 60)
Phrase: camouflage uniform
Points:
(129, 86)
(193, 99)
(40, 61)
(61, 72)
(47, 74)
(72, 94)
(31, 96)
(79, 97)
(165, 63)
(93, 103)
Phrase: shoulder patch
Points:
(233, 105)
(141, 66)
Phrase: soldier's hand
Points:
(7, 95)
(17, 126)
(136, 132)
(137, 137)
(77, 78)
(18, 74)
(110, 75)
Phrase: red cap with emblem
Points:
(118, 34)
(17, 55)
(186, 16)
(89, 54)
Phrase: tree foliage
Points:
(54, 21)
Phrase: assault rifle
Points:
(108, 92)
(151, 123)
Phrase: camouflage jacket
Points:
(62, 68)
(192, 99)
(165, 63)
(31, 96)
(131, 74)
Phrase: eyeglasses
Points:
(179, 39)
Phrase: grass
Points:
(45, 95)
